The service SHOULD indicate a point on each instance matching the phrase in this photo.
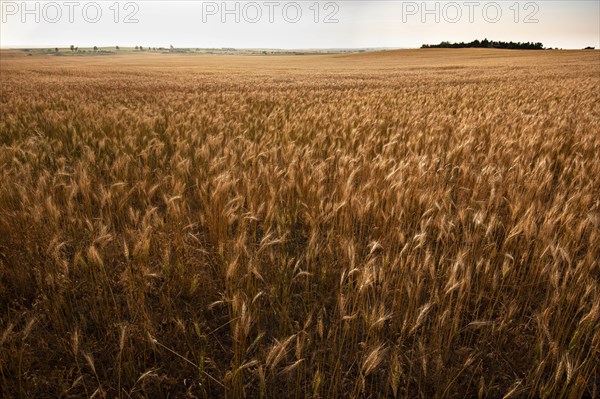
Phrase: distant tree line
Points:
(485, 43)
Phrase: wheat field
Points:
(400, 224)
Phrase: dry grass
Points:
(406, 224)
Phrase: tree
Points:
(56, 50)
(136, 47)
(72, 47)
(488, 44)
(95, 48)
(117, 48)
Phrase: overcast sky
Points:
(299, 24)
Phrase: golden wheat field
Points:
(400, 224)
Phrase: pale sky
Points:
(295, 24)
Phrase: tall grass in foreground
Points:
(314, 233)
